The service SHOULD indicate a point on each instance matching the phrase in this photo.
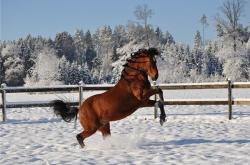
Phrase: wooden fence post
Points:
(80, 93)
(3, 86)
(155, 98)
(80, 100)
(229, 99)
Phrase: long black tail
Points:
(64, 110)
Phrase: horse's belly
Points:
(113, 105)
(120, 111)
(118, 115)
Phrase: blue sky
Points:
(47, 17)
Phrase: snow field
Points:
(191, 135)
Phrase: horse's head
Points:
(144, 60)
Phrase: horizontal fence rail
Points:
(206, 102)
(216, 85)
(182, 86)
(34, 104)
(63, 88)
(81, 88)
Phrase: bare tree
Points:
(143, 13)
(228, 25)
(203, 21)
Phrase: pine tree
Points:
(116, 74)
(203, 21)
(159, 35)
(168, 38)
(105, 49)
(85, 74)
(64, 45)
(119, 36)
(80, 47)
(74, 76)
(64, 67)
(13, 65)
(189, 58)
(197, 40)
(90, 50)
(210, 63)
(27, 50)
(197, 52)
(115, 55)
(96, 69)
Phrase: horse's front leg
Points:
(159, 103)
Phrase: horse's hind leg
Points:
(84, 134)
(105, 130)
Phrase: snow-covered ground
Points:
(191, 135)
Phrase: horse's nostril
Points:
(156, 76)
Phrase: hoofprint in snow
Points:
(191, 135)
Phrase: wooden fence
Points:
(80, 88)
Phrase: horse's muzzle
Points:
(155, 77)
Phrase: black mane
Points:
(150, 52)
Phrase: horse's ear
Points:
(153, 51)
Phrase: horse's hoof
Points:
(162, 121)
(82, 145)
(80, 141)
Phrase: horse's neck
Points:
(139, 79)
(132, 75)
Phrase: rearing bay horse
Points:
(130, 93)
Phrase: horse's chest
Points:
(145, 85)
(125, 103)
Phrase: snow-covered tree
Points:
(168, 38)
(90, 51)
(46, 69)
(163, 38)
(236, 69)
(134, 33)
(64, 67)
(97, 64)
(13, 65)
(172, 68)
(119, 36)
(85, 74)
(64, 45)
(74, 75)
(189, 58)
(197, 52)
(228, 26)
(143, 13)
(204, 23)
(235, 63)
(104, 50)
(197, 40)
(98, 58)
(80, 47)
(116, 74)
(117, 69)
(210, 63)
